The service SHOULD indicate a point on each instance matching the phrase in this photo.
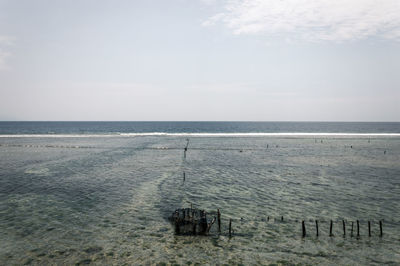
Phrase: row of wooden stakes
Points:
(344, 228)
(190, 221)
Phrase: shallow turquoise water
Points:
(105, 200)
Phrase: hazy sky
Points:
(326, 60)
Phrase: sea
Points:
(102, 193)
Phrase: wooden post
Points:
(358, 228)
(230, 227)
(194, 228)
(184, 176)
(351, 234)
(344, 228)
(380, 227)
(316, 226)
(281, 218)
(369, 228)
(210, 224)
(303, 228)
(219, 221)
(177, 226)
(268, 219)
(330, 229)
(202, 222)
(205, 224)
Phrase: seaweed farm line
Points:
(192, 221)
(282, 200)
(186, 221)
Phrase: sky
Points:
(200, 60)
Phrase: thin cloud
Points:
(3, 57)
(323, 20)
(209, 2)
(4, 42)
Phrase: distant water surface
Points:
(195, 127)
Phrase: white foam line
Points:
(282, 134)
(58, 135)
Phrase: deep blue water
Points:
(196, 127)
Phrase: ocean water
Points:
(101, 192)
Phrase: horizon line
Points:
(208, 121)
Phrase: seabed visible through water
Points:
(106, 200)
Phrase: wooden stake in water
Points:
(344, 228)
(210, 224)
(380, 227)
(230, 227)
(330, 229)
(369, 228)
(351, 234)
(281, 218)
(316, 226)
(204, 228)
(184, 176)
(194, 228)
(177, 226)
(358, 228)
(219, 221)
(303, 228)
